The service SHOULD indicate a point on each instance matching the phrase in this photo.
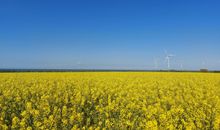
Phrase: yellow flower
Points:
(29, 106)
(151, 125)
(29, 128)
(15, 122)
(23, 123)
(133, 100)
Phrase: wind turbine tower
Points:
(181, 66)
(167, 58)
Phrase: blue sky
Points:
(109, 34)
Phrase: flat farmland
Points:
(109, 100)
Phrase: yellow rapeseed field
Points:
(109, 100)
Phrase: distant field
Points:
(113, 100)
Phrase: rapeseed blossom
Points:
(99, 101)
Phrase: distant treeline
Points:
(96, 70)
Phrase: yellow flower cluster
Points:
(109, 100)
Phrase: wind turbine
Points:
(167, 58)
(78, 63)
(181, 66)
(204, 64)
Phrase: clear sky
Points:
(109, 34)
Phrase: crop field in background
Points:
(109, 100)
